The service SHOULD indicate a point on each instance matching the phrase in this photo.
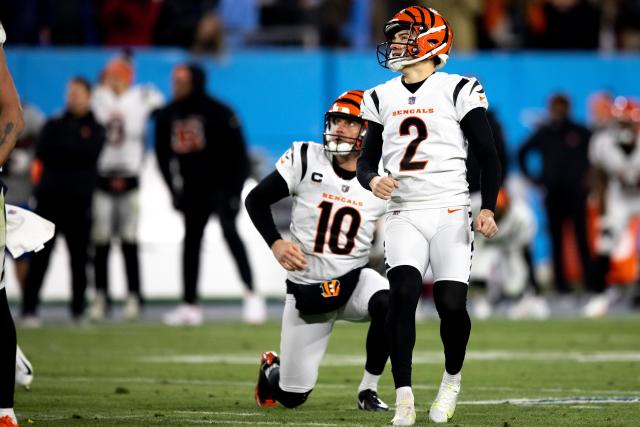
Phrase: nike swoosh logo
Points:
(29, 372)
(453, 210)
(361, 402)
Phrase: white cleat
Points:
(184, 315)
(254, 309)
(24, 370)
(530, 307)
(444, 406)
(405, 413)
(131, 309)
(98, 308)
(482, 309)
(597, 306)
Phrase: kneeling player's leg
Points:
(370, 301)
(303, 342)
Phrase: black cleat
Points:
(263, 394)
(368, 401)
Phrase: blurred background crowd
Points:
(557, 173)
(211, 25)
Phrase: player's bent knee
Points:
(379, 304)
(450, 296)
(292, 400)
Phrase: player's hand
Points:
(289, 255)
(382, 186)
(486, 224)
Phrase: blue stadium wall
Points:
(281, 95)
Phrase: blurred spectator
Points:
(123, 109)
(202, 156)
(563, 24)
(209, 35)
(128, 22)
(628, 24)
(23, 21)
(65, 174)
(17, 174)
(70, 22)
(178, 21)
(461, 15)
(563, 147)
(240, 18)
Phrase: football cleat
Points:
(405, 413)
(7, 421)
(24, 370)
(184, 315)
(132, 308)
(368, 400)
(254, 309)
(263, 393)
(98, 308)
(444, 406)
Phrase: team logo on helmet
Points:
(343, 116)
(429, 35)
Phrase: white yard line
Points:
(420, 358)
(251, 384)
(554, 401)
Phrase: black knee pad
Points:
(406, 285)
(450, 296)
(290, 399)
(379, 304)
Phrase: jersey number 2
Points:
(335, 229)
(406, 164)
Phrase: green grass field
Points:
(571, 373)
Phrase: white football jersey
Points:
(332, 219)
(423, 145)
(623, 169)
(125, 119)
(3, 35)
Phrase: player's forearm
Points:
(478, 132)
(258, 203)
(11, 120)
(369, 159)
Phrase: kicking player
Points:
(11, 124)
(332, 225)
(422, 124)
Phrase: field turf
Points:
(561, 372)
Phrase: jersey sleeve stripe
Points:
(303, 158)
(475, 84)
(376, 101)
(458, 88)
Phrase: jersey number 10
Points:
(335, 229)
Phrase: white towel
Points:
(26, 231)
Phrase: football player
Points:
(332, 224)
(421, 125)
(615, 154)
(123, 108)
(11, 124)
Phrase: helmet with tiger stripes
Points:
(429, 37)
(344, 118)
